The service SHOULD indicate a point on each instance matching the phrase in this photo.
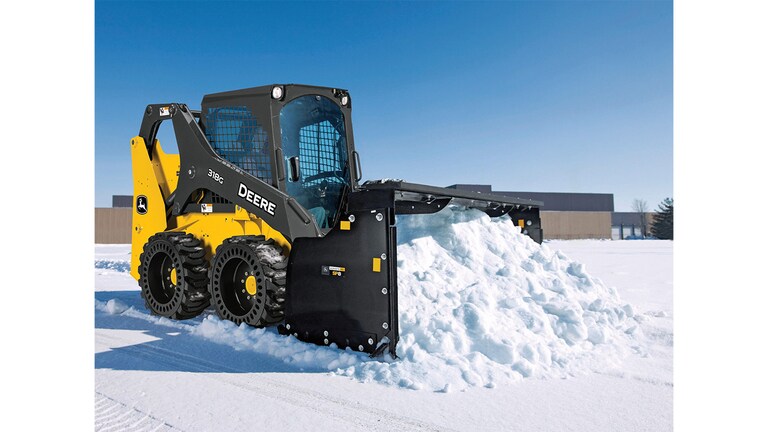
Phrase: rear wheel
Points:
(173, 275)
(247, 280)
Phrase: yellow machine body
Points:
(157, 178)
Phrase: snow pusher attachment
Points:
(261, 216)
(343, 286)
(413, 198)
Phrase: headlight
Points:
(277, 92)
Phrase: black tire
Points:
(174, 254)
(258, 301)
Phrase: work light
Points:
(277, 92)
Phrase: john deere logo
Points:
(141, 204)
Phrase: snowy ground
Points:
(580, 366)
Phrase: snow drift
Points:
(480, 305)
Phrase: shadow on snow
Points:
(174, 349)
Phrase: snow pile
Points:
(480, 305)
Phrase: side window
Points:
(235, 135)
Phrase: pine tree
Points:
(662, 227)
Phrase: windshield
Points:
(312, 129)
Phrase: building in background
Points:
(121, 201)
(629, 225)
(113, 224)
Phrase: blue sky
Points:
(529, 96)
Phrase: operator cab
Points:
(295, 138)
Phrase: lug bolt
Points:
(384, 291)
(379, 217)
(384, 257)
(370, 341)
(325, 341)
(325, 333)
(359, 347)
(287, 326)
(351, 218)
(385, 326)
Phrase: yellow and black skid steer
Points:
(262, 216)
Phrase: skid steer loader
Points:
(261, 215)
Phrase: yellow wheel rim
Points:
(250, 285)
(173, 277)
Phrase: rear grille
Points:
(215, 199)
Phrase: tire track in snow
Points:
(113, 415)
(647, 380)
(363, 417)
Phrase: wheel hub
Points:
(250, 285)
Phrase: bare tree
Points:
(641, 206)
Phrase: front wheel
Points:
(247, 281)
